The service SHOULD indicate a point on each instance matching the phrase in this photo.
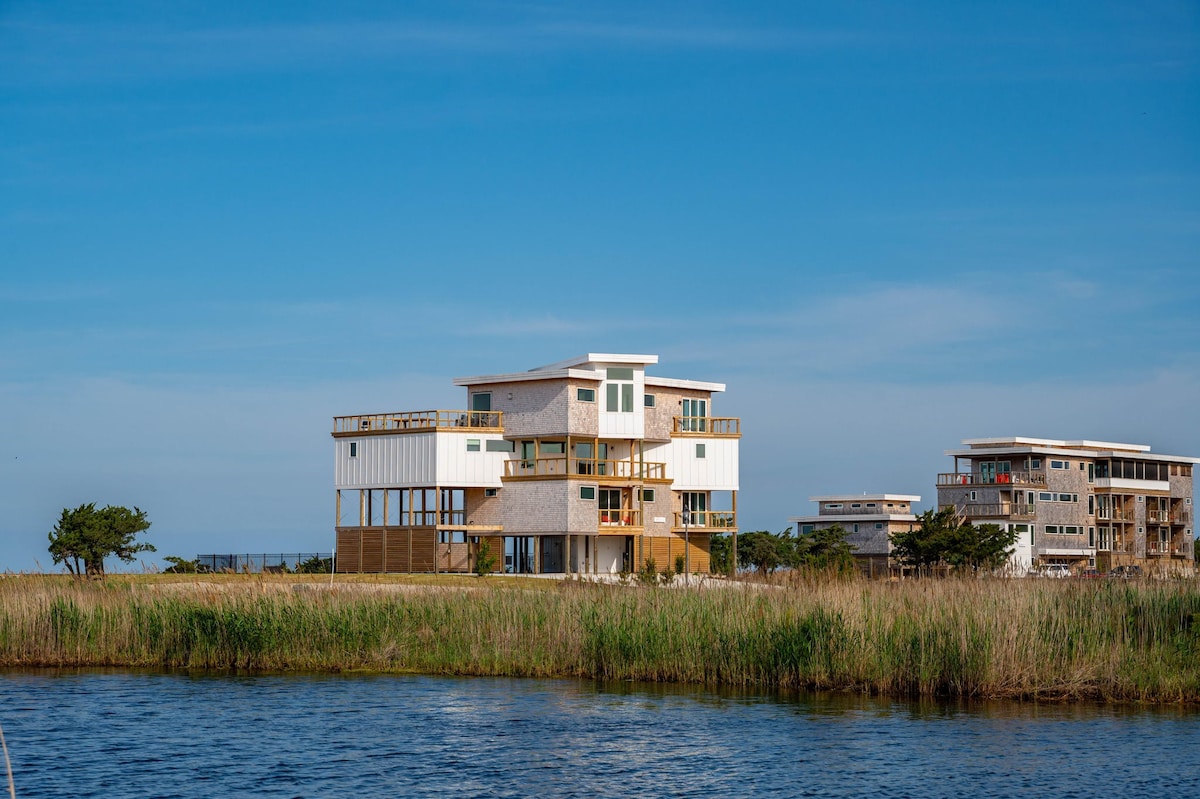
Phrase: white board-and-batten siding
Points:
(415, 460)
(716, 471)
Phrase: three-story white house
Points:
(589, 465)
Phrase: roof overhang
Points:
(866, 497)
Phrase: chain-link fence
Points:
(282, 563)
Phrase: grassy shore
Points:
(1103, 640)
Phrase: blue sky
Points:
(886, 227)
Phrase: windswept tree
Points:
(84, 537)
(940, 539)
(763, 551)
(824, 549)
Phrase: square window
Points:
(647, 494)
(878, 525)
(481, 401)
(648, 400)
(807, 529)
(585, 394)
(699, 450)
(587, 492)
(472, 445)
(490, 492)
(353, 449)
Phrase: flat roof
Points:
(574, 368)
(598, 357)
(834, 518)
(859, 497)
(1053, 442)
(987, 447)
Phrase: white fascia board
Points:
(1143, 454)
(866, 497)
(599, 357)
(1148, 457)
(524, 377)
(673, 382)
(1012, 441)
(834, 518)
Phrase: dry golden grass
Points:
(982, 638)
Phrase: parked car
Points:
(1126, 572)
(1091, 574)
(1056, 570)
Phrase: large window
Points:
(618, 394)
(481, 401)
(695, 413)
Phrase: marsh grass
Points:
(960, 638)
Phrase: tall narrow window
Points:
(695, 413)
(353, 449)
(618, 391)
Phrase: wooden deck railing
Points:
(601, 469)
(411, 421)
(707, 519)
(1010, 510)
(623, 517)
(975, 478)
(719, 426)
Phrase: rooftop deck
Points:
(417, 421)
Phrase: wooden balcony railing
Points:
(706, 519)
(1008, 510)
(412, 421)
(1159, 548)
(561, 466)
(976, 479)
(1181, 517)
(718, 426)
(1071, 540)
(1114, 515)
(1158, 516)
(624, 517)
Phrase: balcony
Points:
(976, 479)
(705, 520)
(601, 470)
(1114, 515)
(607, 519)
(997, 510)
(707, 426)
(417, 421)
(1157, 516)
(1160, 549)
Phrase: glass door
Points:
(695, 413)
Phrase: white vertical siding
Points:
(416, 459)
(716, 471)
(458, 467)
(624, 425)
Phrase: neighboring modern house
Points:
(870, 520)
(589, 465)
(1080, 503)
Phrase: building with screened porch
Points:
(587, 466)
(1079, 503)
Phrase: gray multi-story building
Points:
(1081, 503)
(869, 521)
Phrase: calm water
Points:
(124, 734)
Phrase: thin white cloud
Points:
(93, 52)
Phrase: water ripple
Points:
(123, 734)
